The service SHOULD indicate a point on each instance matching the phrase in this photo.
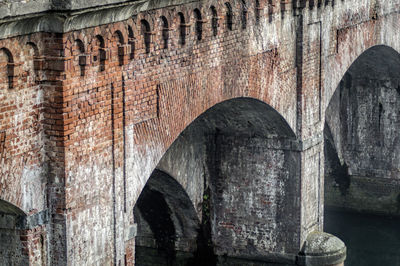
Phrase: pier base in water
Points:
(322, 249)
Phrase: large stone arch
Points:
(240, 158)
(149, 141)
(362, 129)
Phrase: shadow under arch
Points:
(362, 135)
(12, 228)
(244, 115)
(385, 55)
(239, 166)
(166, 221)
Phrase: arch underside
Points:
(166, 219)
(241, 175)
(11, 227)
(362, 135)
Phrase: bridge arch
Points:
(12, 250)
(239, 158)
(339, 70)
(166, 220)
(362, 129)
(352, 45)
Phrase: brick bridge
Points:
(199, 126)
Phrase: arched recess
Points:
(244, 11)
(257, 11)
(131, 42)
(182, 28)
(214, 20)
(12, 250)
(99, 53)
(32, 65)
(164, 31)
(7, 68)
(270, 11)
(362, 135)
(239, 166)
(199, 24)
(228, 16)
(120, 49)
(78, 51)
(146, 33)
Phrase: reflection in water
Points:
(153, 257)
(371, 240)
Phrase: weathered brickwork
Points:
(91, 101)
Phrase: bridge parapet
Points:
(64, 16)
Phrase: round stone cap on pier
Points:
(322, 249)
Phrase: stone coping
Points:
(44, 19)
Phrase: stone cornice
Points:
(66, 21)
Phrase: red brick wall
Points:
(32, 153)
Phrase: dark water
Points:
(153, 257)
(371, 240)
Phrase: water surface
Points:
(371, 240)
